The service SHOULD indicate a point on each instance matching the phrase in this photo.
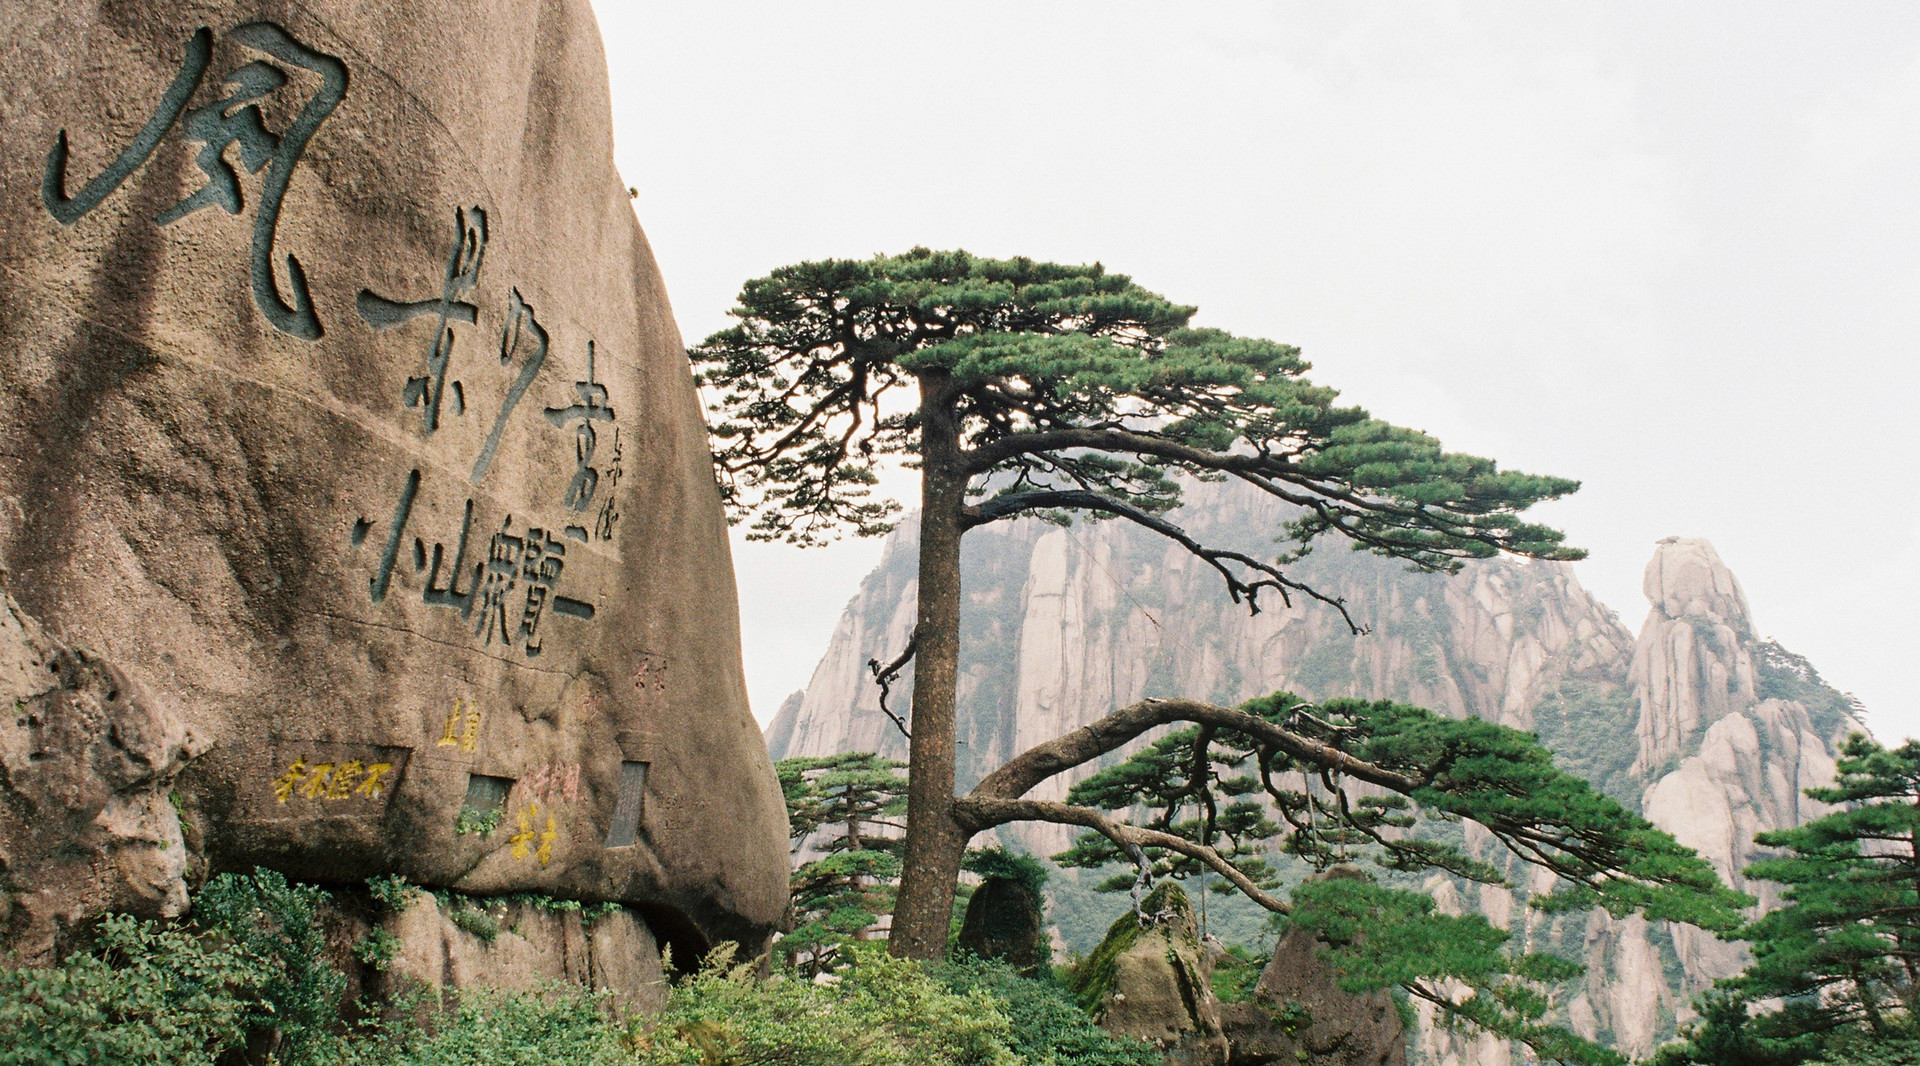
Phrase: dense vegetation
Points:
(250, 970)
(1836, 972)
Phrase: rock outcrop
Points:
(1711, 731)
(1152, 982)
(88, 763)
(344, 412)
(1005, 920)
(1300, 1014)
(516, 946)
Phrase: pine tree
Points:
(1218, 788)
(845, 809)
(1025, 388)
(1836, 972)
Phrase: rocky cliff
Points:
(344, 412)
(1709, 730)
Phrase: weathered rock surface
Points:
(1153, 982)
(1713, 732)
(529, 947)
(345, 413)
(87, 760)
(1300, 1014)
(1004, 921)
(1691, 665)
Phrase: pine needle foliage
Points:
(1066, 378)
(846, 811)
(1222, 789)
(1023, 388)
(1836, 972)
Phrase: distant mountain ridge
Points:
(1705, 728)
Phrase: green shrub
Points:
(476, 822)
(392, 892)
(880, 1011)
(474, 919)
(557, 1025)
(1236, 974)
(1047, 1028)
(144, 993)
(266, 919)
(377, 949)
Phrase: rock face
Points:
(1709, 730)
(521, 947)
(1691, 666)
(1004, 921)
(345, 413)
(86, 824)
(1152, 983)
(1298, 1014)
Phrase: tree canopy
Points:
(1207, 793)
(843, 811)
(1836, 972)
(1070, 388)
(1018, 387)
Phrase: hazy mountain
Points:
(1707, 729)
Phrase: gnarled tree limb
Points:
(978, 813)
(885, 676)
(1091, 741)
(1085, 500)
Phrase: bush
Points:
(145, 993)
(880, 1011)
(1047, 1028)
(556, 1025)
(276, 925)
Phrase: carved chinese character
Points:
(233, 119)
(283, 785)
(318, 782)
(591, 408)
(522, 331)
(370, 786)
(461, 275)
(545, 854)
(345, 776)
(609, 509)
(502, 575)
(521, 839)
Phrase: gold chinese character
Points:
(451, 738)
(371, 787)
(283, 785)
(471, 736)
(344, 777)
(545, 854)
(519, 840)
(318, 782)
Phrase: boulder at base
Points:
(343, 411)
(1299, 1013)
(1003, 922)
(87, 762)
(1152, 981)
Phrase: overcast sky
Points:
(1672, 250)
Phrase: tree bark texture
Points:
(935, 842)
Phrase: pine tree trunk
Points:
(935, 844)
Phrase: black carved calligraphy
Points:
(231, 120)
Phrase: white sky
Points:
(1672, 250)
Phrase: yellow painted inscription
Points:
(463, 725)
(326, 781)
(522, 843)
